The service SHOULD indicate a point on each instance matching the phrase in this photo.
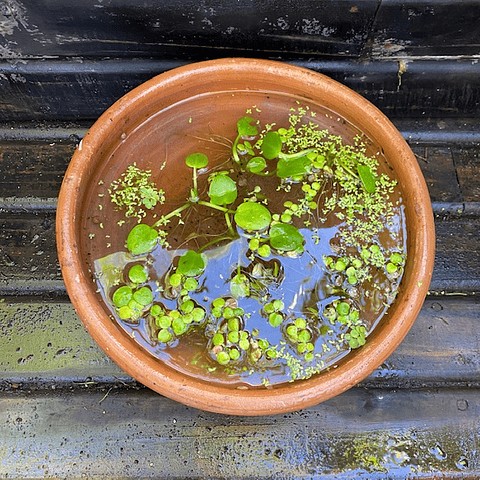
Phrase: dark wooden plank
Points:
(467, 165)
(457, 256)
(372, 434)
(28, 255)
(440, 349)
(33, 169)
(120, 28)
(59, 90)
(439, 172)
(425, 28)
(44, 345)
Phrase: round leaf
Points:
(191, 264)
(223, 190)
(271, 145)
(252, 216)
(122, 296)
(197, 160)
(164, 335)
(256, 164)
(142, 239)
(138, 274)
(245, 127)
(286, 237)
(143, 296)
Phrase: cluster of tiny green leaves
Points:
(230, 342)
(134, 298)
(301, 336)
(135, 193)
(342, 312)
(172, 324)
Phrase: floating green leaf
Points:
(164, 335)
(223, 190)
(138, 274)
(292, 167)
(252, 216)
(142, 239)
(367, 178)
(245, 127)
(143, 296)
(240, 286)
(197, 160)
(275, 319)
(271, 145)
(125, 312)
(256, 164)
(286, 237)
(175, 279)
(179, 326)
(122, 296)
(191, 264)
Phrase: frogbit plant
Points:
(291, 281)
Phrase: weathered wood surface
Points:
(86, 55)
(188, 29)
(66, 410)
(364, 433)
(400, 87)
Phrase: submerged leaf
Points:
(252, 216)
(191, 264)
(142, 239)
(245, 127)
(240, 286)
(286, 237)
(197, 160)
(367, 178)
(271, 145)
(256, 164)
(293, 167)
(223, 190)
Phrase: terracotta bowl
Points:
(150, 124)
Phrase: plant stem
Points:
(347, 169)
(171, 214)
(216, 240)
(234, 149)
(217, 207)
(229, 223)
(195, 178)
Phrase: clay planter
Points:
(146, 126)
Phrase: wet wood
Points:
(374, 434)
(66, 410)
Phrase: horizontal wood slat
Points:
(365, 434)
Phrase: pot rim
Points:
(209, 396)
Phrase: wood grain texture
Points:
(58, 90)
(119, 28)
(366, 434)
